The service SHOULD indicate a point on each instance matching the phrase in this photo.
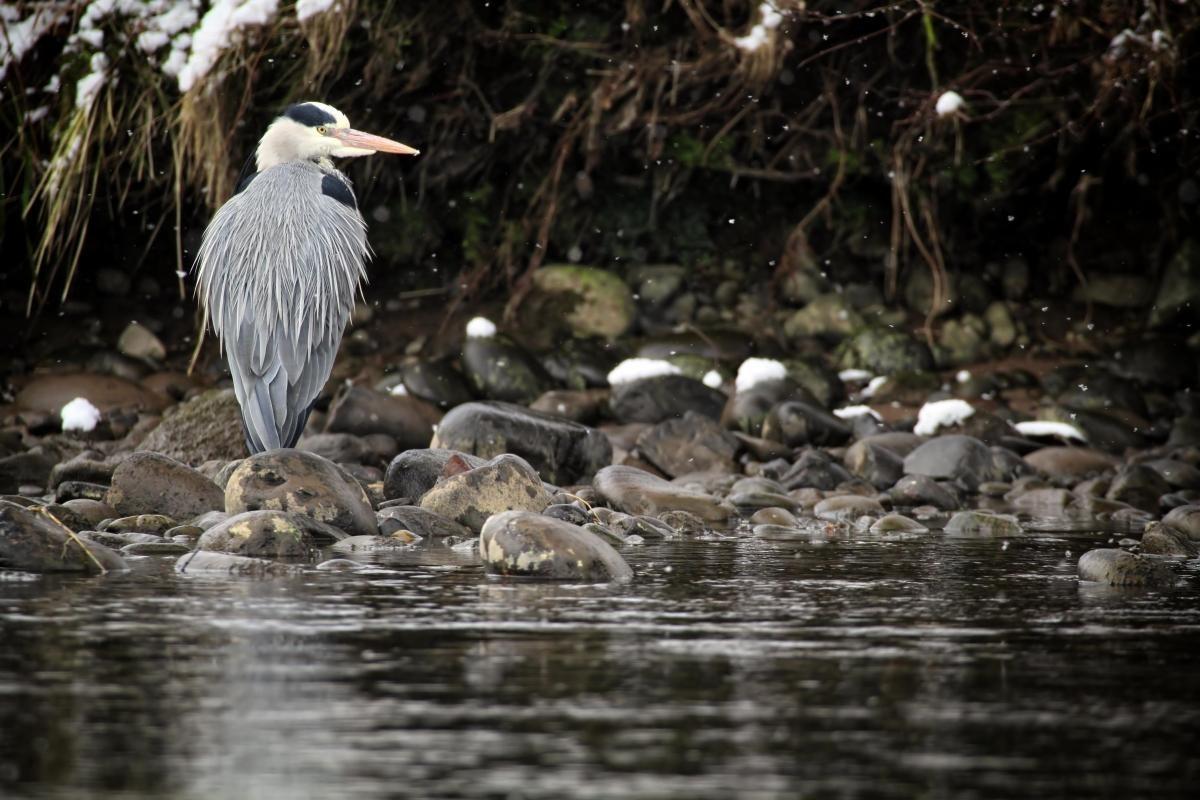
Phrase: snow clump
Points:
(481, 328)
(79, 415)
(634, 369)
(754, 371)
(941, 414)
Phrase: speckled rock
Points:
(265, 534)
(1121, 568)
(506, 483)
(847, 507)
(301, 483)
(532, 545)
(983, 523)
(206, 428)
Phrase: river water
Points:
(731, 667)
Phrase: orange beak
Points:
(369, 141)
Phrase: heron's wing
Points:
(278, 270)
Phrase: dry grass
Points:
(538, 101)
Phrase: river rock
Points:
(796, 423)
(30, 468)
(1139, 486)
(419, 521)
(300, 483)
(139, 523)
(884, 351)
(1185, 519)
(138, 341)
(592, 301)
(747, 409)
(263, 534)
(91, 511)
(664, 397)
(88, 467)
(525, 544)
(1179, 474)
(437, 382)
(506, 483)
(692, 443)
(1161, 539)
(500, 370)
(151, 483)
(828, 316)
(1122, 568)
(846, 507)
(361, 411)
(815, 469)
(921, 490)
(985, 523)
(636, 491)
(1179, 290)
(49, 393)
(874, 463)
(208, 427)
(584, 406)
(562, 451)
(211, 563)
(414, 472)
(897, 523)
(341, 448)
(1070, 462)
(954, 457)
(32, 542)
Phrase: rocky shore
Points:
(553, 449)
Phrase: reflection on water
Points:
(730, 668)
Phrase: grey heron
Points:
(279, 265)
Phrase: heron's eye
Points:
(321, 129)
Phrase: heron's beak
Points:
(369, 141)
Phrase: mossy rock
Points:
(884, 351)
(598, 302)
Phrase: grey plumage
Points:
(278, 270)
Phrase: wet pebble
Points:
(262, 534)
(150, 483)
(983, 523)
(207, 562)
(636, 491)
(160, 548)
(846, 507)
(897, 523)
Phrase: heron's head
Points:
(318, 132)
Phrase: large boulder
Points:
(506, 483)
(151, 483)
(300, 483)
(32, 542)
(206, 428)
(562, 451)
(534, 546)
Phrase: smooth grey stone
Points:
(419, 521)
(983, 522)
(32, 542)
(210, 563)
(1121, 568)
(151, 483)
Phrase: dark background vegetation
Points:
(621, 133)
